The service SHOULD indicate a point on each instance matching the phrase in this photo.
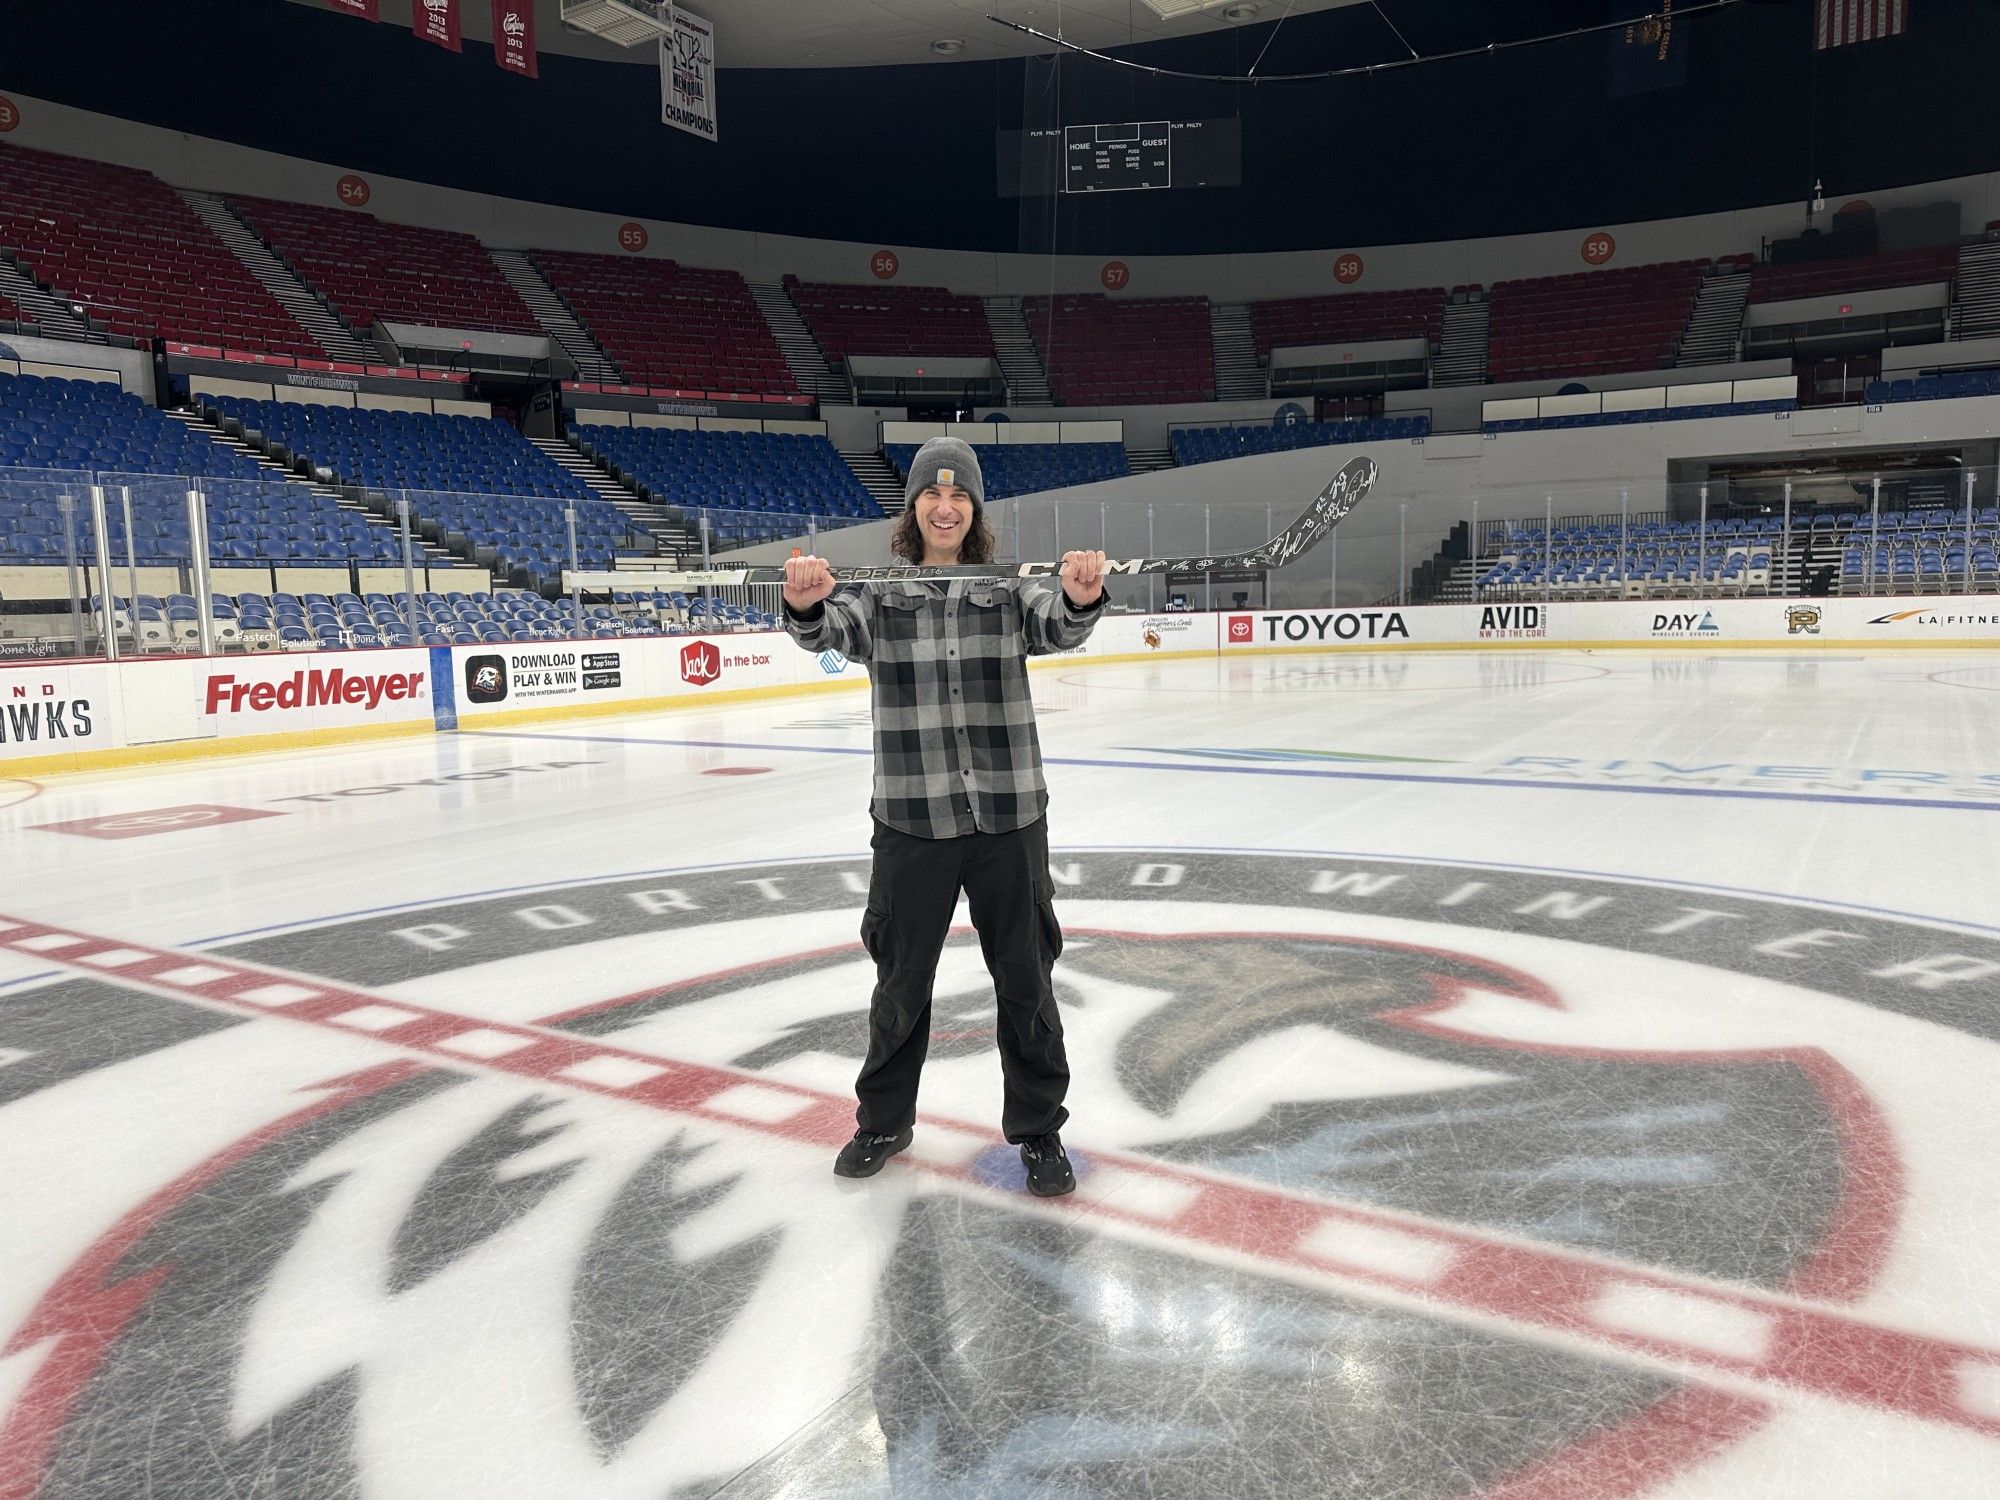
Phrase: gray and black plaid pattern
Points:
(955, 744)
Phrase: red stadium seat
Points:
(135, 255)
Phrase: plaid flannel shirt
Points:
(955, 744)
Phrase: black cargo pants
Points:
(912, 893)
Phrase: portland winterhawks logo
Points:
(365, 1269)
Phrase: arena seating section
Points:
(1141, 350)
(473, 482)
(368, 269)
(311, 622)
(906, 321)
(1865, 273)
(81, 426)
(1590, 322)
(1662, 557)
(144, 265)
(125, 245)
(50, 423)
(1012, 469)
(1642, 416)
(248, 521)
(1946, 386)
(665, 324)
(1204, 445)
(755, 486)
(1348, 318)
(1918, 551)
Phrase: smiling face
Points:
(944, 515)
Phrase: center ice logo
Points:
(1317, 1029)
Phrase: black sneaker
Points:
(866, 1154)
(1049, 1175)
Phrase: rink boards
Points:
(58, 717)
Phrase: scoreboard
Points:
(1117, 158)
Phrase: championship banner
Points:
(514, 37)
(687, 76)
(1645, 54)
(436, 21)
(1839, 23)
(368, 10)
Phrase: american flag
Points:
(1838, 22)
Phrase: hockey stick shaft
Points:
(1341, 494)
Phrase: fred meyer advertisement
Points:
(261, 694)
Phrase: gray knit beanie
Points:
(946, 460)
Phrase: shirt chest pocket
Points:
(992, 612)
(899, 620)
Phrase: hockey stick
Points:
(1342, 493)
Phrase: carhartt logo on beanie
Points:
(945, 460)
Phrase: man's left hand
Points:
(1083, 577)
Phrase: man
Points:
(958, 801)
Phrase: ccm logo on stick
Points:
(313, 690)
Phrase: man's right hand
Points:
(808, 580)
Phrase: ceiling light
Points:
(1173, 10)
(626, 23)
(1239, 12)
(947, 46)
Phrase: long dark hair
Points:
(907, 542)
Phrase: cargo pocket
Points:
(1050, 929)
(875, 934)
(1047, 1019)
(891, 1014)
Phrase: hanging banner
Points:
(687, 76)
(1840, 23)
(436, 21)
(514, 37)
(368, 10)
(1645, 53)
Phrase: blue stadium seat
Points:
(1013, 469)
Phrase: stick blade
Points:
(1342, 493)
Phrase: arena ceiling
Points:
(876, 33)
